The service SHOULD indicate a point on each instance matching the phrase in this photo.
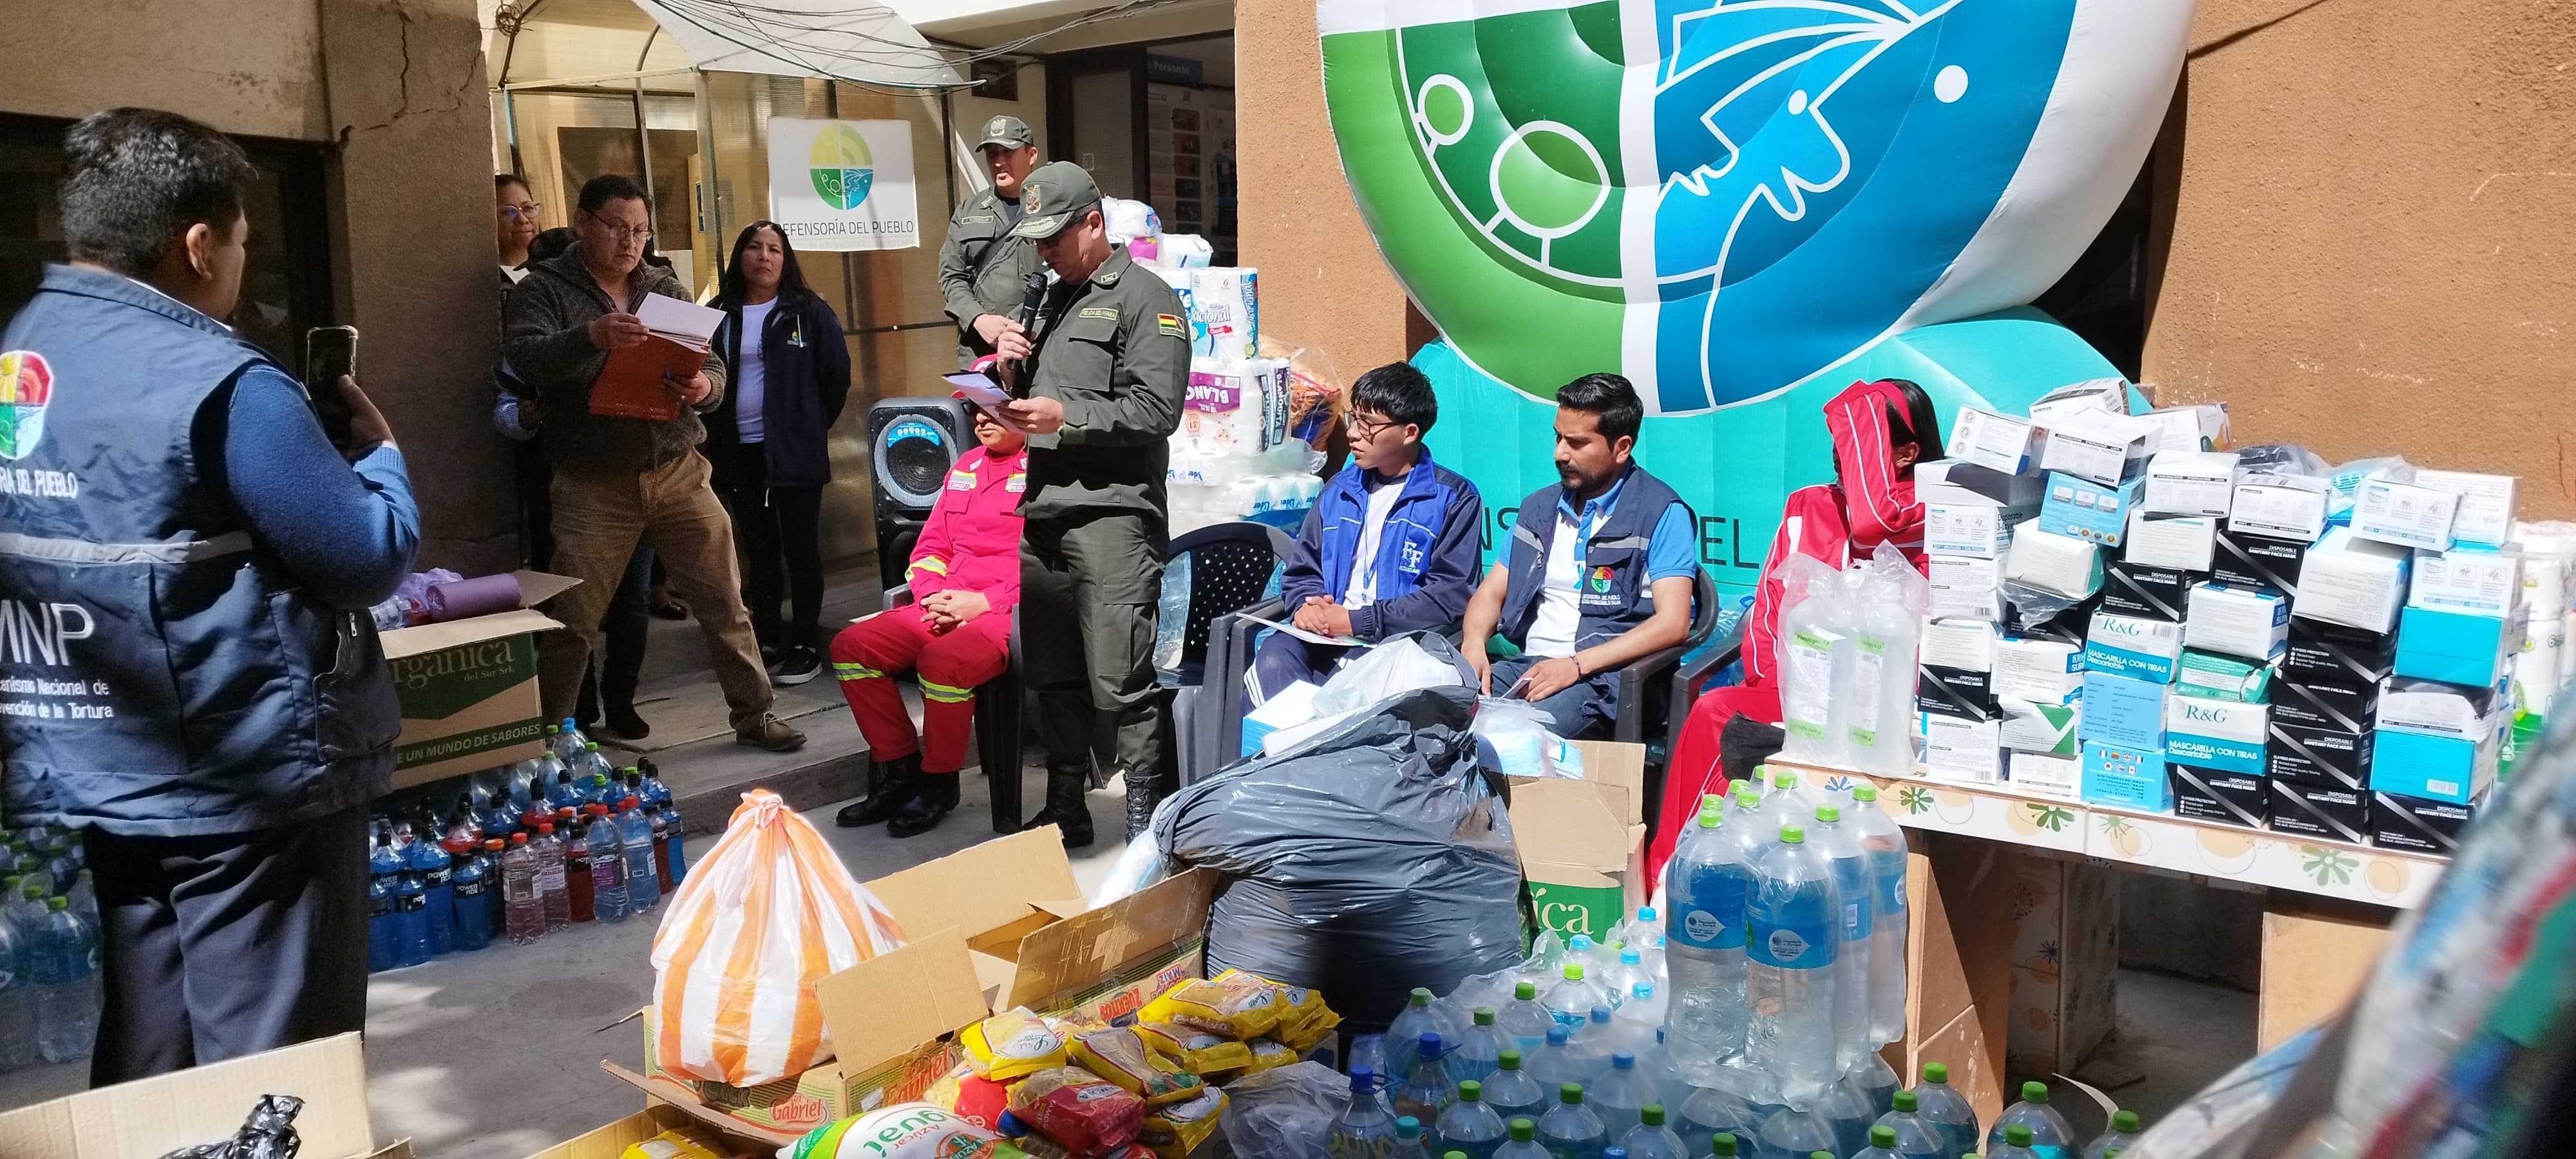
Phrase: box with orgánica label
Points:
(469, 687)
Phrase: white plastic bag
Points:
(1814, 626)
(1284, 1113)
(1139, 866)
(1887, 629)
(1398, 666)
(1516, 732)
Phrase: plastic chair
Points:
(1231, 566)
(997, 724)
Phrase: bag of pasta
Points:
(1121, 1056)
(1239, 1006)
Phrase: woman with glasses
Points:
(769, 439)
(516, 212)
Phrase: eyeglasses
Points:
(1363, 428)
(623, 234)
(523, 211)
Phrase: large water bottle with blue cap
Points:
(1705, 890)
(1853, 886)
(1793, 923)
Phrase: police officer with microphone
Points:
(982, 265)
(1099, 374)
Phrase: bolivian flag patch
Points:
(1171, 324)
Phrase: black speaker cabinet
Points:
(911, 444)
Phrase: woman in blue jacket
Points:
(1391, 546)
(770, 440)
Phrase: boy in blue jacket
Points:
(1391, 546)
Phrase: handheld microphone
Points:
(1030, 297)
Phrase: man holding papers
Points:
(582, 329)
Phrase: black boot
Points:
(1143, 793)
(921, 814)
(1064, 806)
(897, 780)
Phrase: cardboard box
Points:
(1954, 693)
(1583, 843)
(2123, 712)
(1957, 749)
(2356, 582)
(1998, 443)
(2216, 734)
(2485, 512)
(469, 688)
(2188, 428)
(2465, 580)
(2317, 952)
(2326, 702)
(2082, 509)
(2132, 646)
(1966, 587)
(2321, 651)
(2291, 507)
(2249, 622)
(2097, 445)
(2054, 563)
(1956, 481)
(611, 1141)
(2437, 768)
(2042, 729)
(2220, 795)
(2077, 400)
(2038, 671)
(2334, 758)
(2425, 706)
(2416, 824)
(2335, 813)
(1975, 530)
(2404, 514)
(2048, 775)
(1964, 645)
(2247, 560)
(2191, 482)
(1005, 927)
(2180, 542)
(2131, 588)
(2065, 954)
(2457, 647)
(154, 1116)
(2217, 677)
(2126, 778)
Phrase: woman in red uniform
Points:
(956, 634)
(1880, 429)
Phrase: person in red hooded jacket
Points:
(956, 634)
(1880, 430)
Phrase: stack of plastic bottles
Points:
(521, 851)
(49, 984)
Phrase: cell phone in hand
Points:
(329, 353)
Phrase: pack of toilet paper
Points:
(1234, 409)
(1224, 305)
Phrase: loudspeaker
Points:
(911, 444)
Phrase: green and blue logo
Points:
(841, 167)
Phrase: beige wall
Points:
(243, 66)
(2374, 232)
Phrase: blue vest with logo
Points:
(1611, 593)
(160, 674)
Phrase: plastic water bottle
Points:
(383, 867)
(438, 894)
(607, 867)
(1570, 1130)
(1655, 1070)
(1470, 1124)
(1570, 1001)
(1409, 1143)
(1852, 886)
(470, 899)
(1557, 1062)
(1884, 842)
(411, 914)
(1635, 1023)
(2016, 1142)
(1621, 979)
(1949, 1112)
(1171, 627)
(1793, 922)
(1524, 1020)
(642, 886)
(1404, 1033)
(2050, 1136)
(1882, 1145)
(1850, 1113)
(523, 914)
(17, 997)
(1877, 1080)
(1619, 1096)
(553, 886)
(1650, 1138)
(2123, 1135)
(1595, 1043)
(675, 829)
(493, 850)
(1365, 1127)
(1908, 1135)
(1790, 1133)
(579, 882)
(1705, 892)
(658, 831)
(66, 977)
(1428, 1089)
(573, 743)
(1523, 1144)
(1643, 933)
(1708, 1113)
(1723, 1144)
(1478, 1049)
(1595, 958)
(1512, 1092)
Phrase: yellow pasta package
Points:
(1199, 1052)
(1240, 1006)
(1268, 1055)
(1122, 1057)
(1175, 1130)
(1012, 1044)
(1304, 1018)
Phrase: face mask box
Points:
(2038, 671)
(1969, 751)
(1972, 530)
(2426, 706)
(2132, 646)
(2246, 560)
(2187, 428)
(2043, 775)
(2327, 702)
(2054, 563)
(1995, 442)
(2180, 542)
(2485, 514)
(2126, 778)
(2438, 768)
(2248, 622)
(2404, 514)
(2229, 798)
(2097, 445)
(1967, 588)
(1955, 693)
(2217, 677)
(2047, 729)
(2093, 512)
(2093, 396)
(2189, 483)
(2291, 507)
(2155, 593)
(2320, 651)
(2333, 813)
(2307, 755)
(2215, 734)
(2486, 582)
(2123, 712)
(2457, 647)
(1957, 482)
(2356, 582)
(2417, 825)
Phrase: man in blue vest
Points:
(1598, 571)
(188, 673)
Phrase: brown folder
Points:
(630, 385)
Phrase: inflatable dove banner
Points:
(1741, 205)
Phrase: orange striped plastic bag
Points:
(763, 916)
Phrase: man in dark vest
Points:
(1598, 571)
(189, 675)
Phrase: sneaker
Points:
(772, 734)
(802, 664)
(770, 656)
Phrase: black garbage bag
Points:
(268, 1133)
(1372, 859)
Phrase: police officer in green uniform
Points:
(1102, 372)
(983, 269)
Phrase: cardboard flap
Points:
(687, 1102)
(186, 1108)
(1085, 948)
(535, 587)
(884, 1007)
(1613, 765)
(1571, 824)
(981, 889)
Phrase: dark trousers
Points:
(1583, 710)
(623, 633)
(217, 947)
(775, 523)
(1089, 586)
(536, 509)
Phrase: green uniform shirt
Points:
(1115, 350)
(978, 225)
